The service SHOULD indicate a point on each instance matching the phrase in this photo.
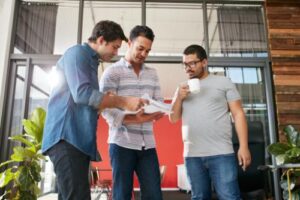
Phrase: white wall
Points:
(6, 19)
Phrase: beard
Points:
(196, 74)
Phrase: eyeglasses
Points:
(191, 64)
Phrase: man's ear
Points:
(205, 62)
(129, 43)
(100, 40)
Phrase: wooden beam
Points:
(287, 80)
(288, 108)
(285, 53)
(284, 44)
(287, 98)
(284, 89)
(285, 119)
(285, 70)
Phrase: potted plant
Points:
(22, 173)
(288, 154)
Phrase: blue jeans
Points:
(144, 163)
(71, 167)
(221, 170)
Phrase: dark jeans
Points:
(71, 167)
(144, 163)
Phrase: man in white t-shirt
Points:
(207, 131)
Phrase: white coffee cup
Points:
(194, 85)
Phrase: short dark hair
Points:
(109, 30)
(141, 31)
(196, 49)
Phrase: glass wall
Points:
(127, 14)
(46, 27)
(236, 30)
(250, 84)
(176, 25)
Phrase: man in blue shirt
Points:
(70, 127)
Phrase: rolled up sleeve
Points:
(95, 99)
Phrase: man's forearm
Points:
(112, 101)
(241, 129)
(176, 111)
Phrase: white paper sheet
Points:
(153, 106)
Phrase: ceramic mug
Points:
(194, 85)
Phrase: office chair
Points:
(162, 171)
(101, 186)
(252, 182)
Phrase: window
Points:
(127, 14)
(236, 31)
(176, 25)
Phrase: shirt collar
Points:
(128, 65)
(91, 51)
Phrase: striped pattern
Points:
(121, 79)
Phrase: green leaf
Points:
(6, 177)
(292, 135)
(278, 148)
(293, 154)
(25, 179)
(284, 183)
(295, 195)
(37, 190)
(37, 124)
(26, 174)
(280, 159)
(22, 154)
(32, 129)
(285, 194)
(27, 195)
(35, 170)
(18, 154)
(38, 116)
(6, 163)
(38, 146)
(20, 138)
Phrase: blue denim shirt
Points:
(73, 105)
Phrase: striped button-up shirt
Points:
(121, 79)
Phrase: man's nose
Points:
(144, 54)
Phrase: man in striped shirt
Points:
(131, 139)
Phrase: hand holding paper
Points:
(153, 106)
(156, 106)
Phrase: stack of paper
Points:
(153, 106)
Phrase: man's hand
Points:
(142, 117)
(244, 157)
(183, 92)
(134, 103)
(111, 100)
